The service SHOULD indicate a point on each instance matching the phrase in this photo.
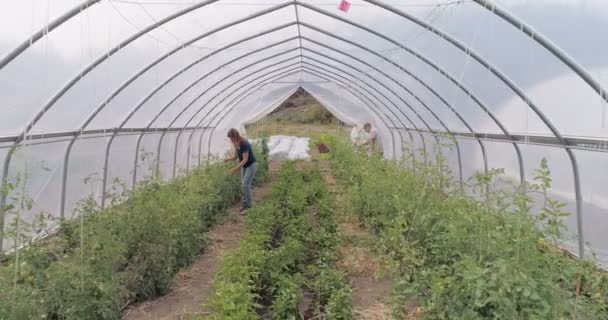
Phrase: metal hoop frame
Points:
(486, 4)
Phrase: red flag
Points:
(344, 5)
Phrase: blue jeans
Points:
(247, 175)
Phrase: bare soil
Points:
(370, 293)
(193, 286)
(371, 286)
(371, 290)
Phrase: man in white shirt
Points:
(371, 139)
(366, 137)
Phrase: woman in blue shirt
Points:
(247, 165)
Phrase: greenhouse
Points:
(481, 196)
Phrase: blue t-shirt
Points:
(246, 147)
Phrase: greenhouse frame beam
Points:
(45, 30)
(501, 76)
(434, 92)
(183, 70)
(161, 139)
(430, 63)
(66, 134)
(110, 141)
(246, 93)
(375, 96)
(565, 142)
(410, 92)
(546, 141)
(177, 129)
(356, 83)
(457, 145)
(288, 24)
(251, 91)
(240, 78)
(299, 31)
(234, 103)
(375, 90)
(91, 67)
(545, 42)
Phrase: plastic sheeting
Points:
(288, 148)
(197, 68)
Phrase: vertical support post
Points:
(64, 179)
(106, 162)
(188, 151)
(175, 152)
(209, 144)
(579, 203)
(160, 142)
(459, 155)
(136, 159)
(4, 191)
(394, 143)
(200, 146)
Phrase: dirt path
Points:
(371, 287)
(192, 286)
(371, 290)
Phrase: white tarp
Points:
(288, 148)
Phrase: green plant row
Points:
(330, 287)
(264, 267)
(463, 258)
(98, 263)
(264, 277)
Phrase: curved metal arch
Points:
(111, 140)
(96, 63)
(189, 105)
(181, 93)
(401, 144)
(217, 95)
(45, 30)
(457, 145)
(428, 87)
(248, 75)
(547, 44)
(507, 81)
(376, 97)
(511, 20)
(429, 130)
(352, 90)
(221, 80)
(138, 74)
(427, 61)
(193, 84)
(107, 55)
(385, 124)
(272, 105)
(375, 80)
